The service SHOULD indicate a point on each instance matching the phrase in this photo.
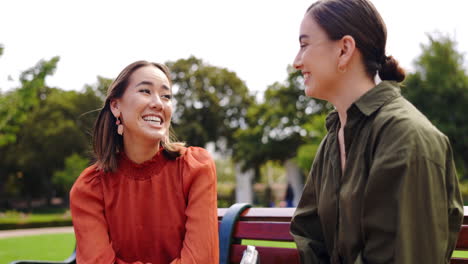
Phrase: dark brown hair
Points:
(360, 20)
(106, 142)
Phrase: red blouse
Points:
(160, 211)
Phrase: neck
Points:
(348, 91)
(141, 151)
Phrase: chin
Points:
(155, 136)
(314, 92)
(310, 91)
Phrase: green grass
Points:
(55, 247)
(264, 243)
(40, 216)
(460, 254)
(43, 218)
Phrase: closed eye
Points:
(167, 96)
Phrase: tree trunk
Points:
(294, 176)
(244, 185)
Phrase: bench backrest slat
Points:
(462, 242)
(458, 261)
(263, 231)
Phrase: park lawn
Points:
(57, 247)
(49, 217)
(54, 247)
(36, 216)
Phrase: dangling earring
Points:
(119, 126)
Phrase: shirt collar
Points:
(369, 102)
(376, 97)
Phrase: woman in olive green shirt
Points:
(383, 186)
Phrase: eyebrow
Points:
(302, 37)
(165, 87)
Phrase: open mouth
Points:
(155, 120)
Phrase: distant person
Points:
(147, 199)
(383, 186)
(289, 196)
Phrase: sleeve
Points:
(200, 243)
(305, 225)
(93, 244)
(412, 207)
(455, 199)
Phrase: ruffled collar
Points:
(141, 171)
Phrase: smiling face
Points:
(145, 108)
(317, 59)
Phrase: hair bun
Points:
(390, 70)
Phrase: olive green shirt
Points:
(398, 199)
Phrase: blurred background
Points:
(235, 90)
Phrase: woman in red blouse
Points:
(146, 199)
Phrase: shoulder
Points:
(197, 161)
(403, 116)
(401, 124)
(196, 156)
(87, 184)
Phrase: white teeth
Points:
(152, 119)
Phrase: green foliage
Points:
(65, 178)
(100, 87)
(439, 89)
(211, 103)
(15, 105)
(225, 171)
(48, 125)
(278, 126)
(18, 220)
(306, 153)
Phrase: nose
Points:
(297, 64)
(156, 102)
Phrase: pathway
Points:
(35, 231)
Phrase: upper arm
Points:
(306, 227)
(201, 238)
(406, 203)
(87, 209)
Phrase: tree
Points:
(65, 178)
(306, 152)
(439, 89)
(100, 87)
(55, 127)
(15, 105)
(280, 126)
(54, 130)
(211, 103)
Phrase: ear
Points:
(348, 48)
(114, 107)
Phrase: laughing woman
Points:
(383, 186)
(146, 199)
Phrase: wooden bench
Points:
(240, 221)
(273, 224)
